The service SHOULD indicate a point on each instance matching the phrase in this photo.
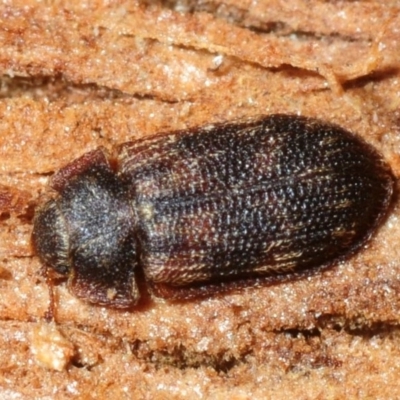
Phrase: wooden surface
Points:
(77, 75)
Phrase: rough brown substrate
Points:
(78, 75)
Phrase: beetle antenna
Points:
(49, 315)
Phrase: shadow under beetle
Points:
(201, 209)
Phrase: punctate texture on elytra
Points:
(268, 198)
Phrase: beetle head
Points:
(51, 239)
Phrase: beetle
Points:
(204, 209)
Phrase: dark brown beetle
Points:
(201, 209)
